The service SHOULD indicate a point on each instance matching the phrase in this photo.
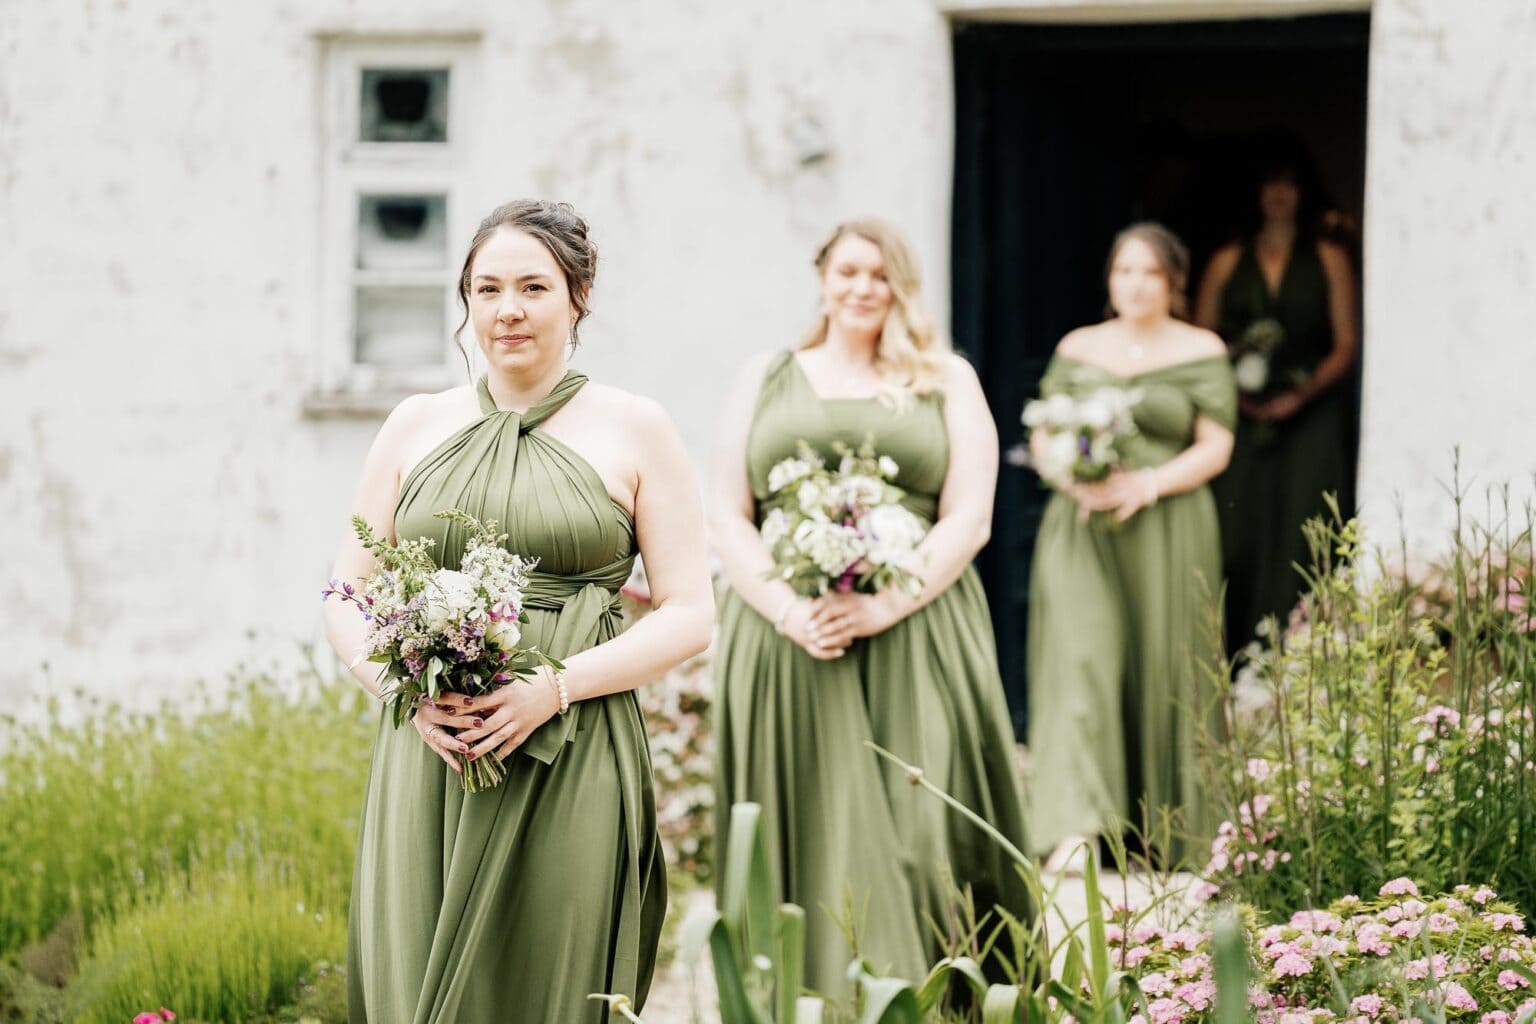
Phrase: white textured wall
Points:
(168, 509)
(1450, 257)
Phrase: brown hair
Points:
(1172, 258)
(561, 230)
(911, 355)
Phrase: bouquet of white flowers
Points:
(1083, 436)
(1253, 352)
(844, 529)
(436, 629)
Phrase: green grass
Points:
(221, 946)
(177, 846)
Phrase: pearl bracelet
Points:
(558, 681)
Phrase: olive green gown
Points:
(1279, 471)
(515, 903)
(843, 829)
(1121, 625)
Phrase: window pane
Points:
(402, 232)
(405, 105)
(400, 326)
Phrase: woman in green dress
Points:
(1284, 301)
(803, 685)
(1127, 570)
(518, 902)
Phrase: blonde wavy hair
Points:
(912, 352)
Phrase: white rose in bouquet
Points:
(893, 534)
(1095, 412)
(787, 472)
(450, 597)
(503, 634)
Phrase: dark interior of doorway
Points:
(1065, 134)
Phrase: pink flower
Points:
(1495, 1017)
(1406, 929)
(1134, 956)
(1205, 892)
(1156, 984)
(1258, 769)
(147, 1017)
(1370, 1005)
(1166, 1011)
(1200, 995)
(1185, 940)
(1315, 921)
(1114, 934)
(1371, 938)
(1440, 924)
(1399, 887)
(1502, 922)
(1458, 998)
(1512, 981)
(1483, 895)
(1414, 908)
(1292, 965)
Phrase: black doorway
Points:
(1065, 134)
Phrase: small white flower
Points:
(787, 472)
(1252, 372)
(888, 467)
(450, 597)
(775, 527)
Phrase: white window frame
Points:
(353, 168)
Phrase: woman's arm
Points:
(1127, 493)
(964, 518)
(1217, 274)
(669, 529)
(1336, 365)
(744, 558)
(377, 492)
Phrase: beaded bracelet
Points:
(558, 681)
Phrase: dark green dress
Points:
(1279, 471)
(514, 904)
(842, 829)
(1121, 623)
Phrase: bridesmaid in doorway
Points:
(1283, 299)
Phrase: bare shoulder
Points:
(421, 411)
(959, 374)
(1199, 343)
(1223, 262)
(640, 416)
(1332, 254)
(1081, 340)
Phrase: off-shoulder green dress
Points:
(1121, 624)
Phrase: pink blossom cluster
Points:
(1466, 951)
(154, 1016)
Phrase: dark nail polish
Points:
(468, 701)
(478, 723)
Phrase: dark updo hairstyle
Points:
(1172, 256)
(561, 230)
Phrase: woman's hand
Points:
(435, 723)
(1122, 493)
(798, 626)
(1282, 407)
(840, 619)
(502, 720)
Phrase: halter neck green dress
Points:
(843, 829)
(1280, 471)
(514, 904)
(1121, 625)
